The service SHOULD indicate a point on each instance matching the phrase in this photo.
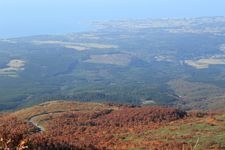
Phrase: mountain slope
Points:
(79, 125)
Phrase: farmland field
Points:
(172, 62)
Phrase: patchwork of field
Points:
(130, 61)
(222, 47)
(12, 68)
(198, 95)
(205, 62)
(112, 59)
(77, 46)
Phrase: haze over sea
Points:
(30, 17)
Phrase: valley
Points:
(171, 62)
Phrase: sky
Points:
(35, 17)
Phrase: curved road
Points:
(40, 127)
(32, 120)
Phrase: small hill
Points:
(76, 125)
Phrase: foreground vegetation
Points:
(70, 125)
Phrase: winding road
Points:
(35, 123)
(32, 120)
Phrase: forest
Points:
(179, 63)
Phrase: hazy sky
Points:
(29, 17)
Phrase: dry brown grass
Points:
(49, 110)
(121, 127)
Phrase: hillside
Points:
(77, 125)
(165, 62)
